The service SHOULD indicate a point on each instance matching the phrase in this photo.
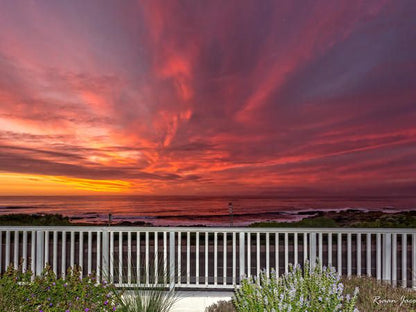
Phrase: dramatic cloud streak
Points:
(191, 97)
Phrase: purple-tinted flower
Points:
(106, 302)
(50, 304)
(65, 284)
(53, 283)
(114, 308)
(67, 310)
(86, 309)
(77, 298)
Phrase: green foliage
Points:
(379, 296)
(26, 219)
(221, 306)
(389, 221)
(309, 222)
(151, 299)
(149, 296)
(21, 292)
(311, 289)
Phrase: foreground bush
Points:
(221, 306)
(381, 297)
(47, 293)
(152, 295)
(312, 290)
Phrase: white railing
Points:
(208, 257)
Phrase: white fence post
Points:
(387, 257)
(40, 252)
(106, 255)
(312, 249)
(172, 259)
(242, 254)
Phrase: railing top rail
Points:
(208, 229)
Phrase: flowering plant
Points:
(301, 290)
(47, 293)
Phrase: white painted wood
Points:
(368, 247)
(215, 258)
(404, 260)
(224, 249)
(378, 256)
(339, 254)
(349, 255)
(329, 249)
(359, 254)
(55, 251)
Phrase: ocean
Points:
(195, 210)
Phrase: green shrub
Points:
(149, 296)
(21, 292)
(221, 306)
(311, 289)
(379, 296)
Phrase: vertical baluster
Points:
(32, 253)
(329, 249)
(349, 258)
(224, 268)
(197, 259)
(267, 254)
(368, 260)
(305, 246)
(165, 257)
(215, 258)
(98, 248)
(81, 251)
(46, 247)
(188, 258)
(72, 250)
(276, 253)
(55, 251)
(295, 249)
(156, 261)
(138, 244)
(179, 257)
(258, 253)
(206, 258)
(7, 260)
(404, 260)
(378, 259)
(234, 259)
(286, 252)
(63, 263)
(120, 257)
(359, 254)
(339, 252)
(394, 259)
(147, 257)
(248, 254)
(24, 264)
(111, 255)
(16, 250)
(129, 257)
(89, 252)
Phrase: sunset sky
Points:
(207, 97)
